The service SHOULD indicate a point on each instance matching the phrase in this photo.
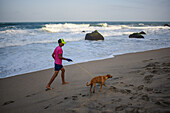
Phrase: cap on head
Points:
(61, 41)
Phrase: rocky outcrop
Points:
(136, 35)
(94, 36)
(167, 25)
(142, 32)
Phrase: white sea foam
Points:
(145, 27)
(56, 28)
(103, 24)
(141, 24)
(53, 28)
(12, 31)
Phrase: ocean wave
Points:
(141, 24)
(144, 27)
(115, 33)
(7, 24)
(50, 33)
(22, 43)
(68, 27)
(99, 25)
(19, 32)
(28, 41)
(54, 28)
(12, 31)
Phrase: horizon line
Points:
(83, 21)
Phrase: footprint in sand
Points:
(147, 60)
(115, 83)
(134, 110)
(100, 105)
(163, 103)
(120, 108)
(140, 87)
(116, 100)
(151, 65)
(125, 91)
(85, 95)
(117, 78)
(133, 97)
(8, 102)
(129, 85)
(30, 95)
(74, 97)
(145, 97)
(47, 106)
(138, 71)
(65, 98)
(112, 88)
(148, 89)
(166, 64)
(142, 73)
(148, 78)
(60, 102)
(157, 91)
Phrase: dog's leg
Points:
(101, 87)
(94, 87)
(91, 88)
(105, 85)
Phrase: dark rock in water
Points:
(167, 25)
(136, 35)
(94, 36)
(142, 32)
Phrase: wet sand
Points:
(140, 84)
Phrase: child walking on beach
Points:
(57, 55)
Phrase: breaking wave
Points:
(54, 28)
(15, 35)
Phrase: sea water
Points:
(27, 47)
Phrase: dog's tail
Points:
(87, 84)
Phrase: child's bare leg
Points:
(52, 79)
(62, 76)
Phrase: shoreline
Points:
(109, 57)
(140, 83)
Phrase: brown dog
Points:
(98, 79)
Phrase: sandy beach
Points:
(140, 84)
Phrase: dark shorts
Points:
(57, 67)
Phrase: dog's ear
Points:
(109, 76)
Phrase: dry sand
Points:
(140, 84)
